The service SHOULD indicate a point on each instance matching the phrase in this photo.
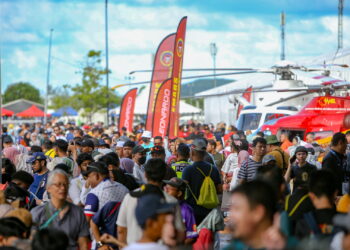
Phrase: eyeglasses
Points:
(59, 185)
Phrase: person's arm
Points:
(97, 235)
(288, 173)
(83, 243)
(91, 206)
(122, 234)
(106, 238)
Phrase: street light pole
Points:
(107, 60)
(48, 77)
(213, 52)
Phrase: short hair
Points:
(271, 174)
(35, 149)
(158, 137)
(212, 143)
(244, 145)
(183, 150)
(84, 157)
(155, 169)
(110, 160)
(323, 183)
(48, 144)
(23, 176)
(257, 193)
(80, 131)
(338, 137)
(53, 174)
(257, 140)
(63, 167)
(62, 145)
(9, 167)
(12, 226)
(50, 238)
(130, 144)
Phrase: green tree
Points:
(90, 94)
(22, 90)
(60, 97)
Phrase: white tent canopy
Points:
(142, 103)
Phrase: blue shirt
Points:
(38, 187)
(106, 218)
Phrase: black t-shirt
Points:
(304, 206)
(195, 179)
(336, 163)
(302, 174)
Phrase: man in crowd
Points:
(128, 229)
(194, 175)
(218, 157)
(61, 148)
(127, 149)
(249, 167)
(139, 158)
(286, 143)
(146, 138)
(335, 161)
(60, 214)
(159, 152)
(274, 149)
(37, 189)
(182, 157)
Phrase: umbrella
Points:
(65, 111)
(6, 112)
(33, 111)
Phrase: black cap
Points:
(98, 167)
(176, 182)
(87, 143)
(7, 139)
(301, 149)
(139, 149)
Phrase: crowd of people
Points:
(213, 187)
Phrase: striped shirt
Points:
(248, 169)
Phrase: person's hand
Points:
(38, 202)
(274, 239)
(106, 238)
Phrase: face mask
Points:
(142, 160)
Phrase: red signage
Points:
(246, 95)
(162, 70)
(176, 78)
(162, 110)
(126, 115)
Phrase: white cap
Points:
(120, 144)
(147, 134)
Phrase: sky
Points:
(246, 32)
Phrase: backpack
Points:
(207, 194)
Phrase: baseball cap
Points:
(7, 139)
(155, 204)
(267, 158)
(158, 150)
(139, 149)
(98, 167)
(87, 143)
(120, 144)
(271, 139)
(176, 182)
(102, 142)
(146, 134)
(301, 149)
(199, 145)
(37, 156)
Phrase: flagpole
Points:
(107, 62)
(48, 77)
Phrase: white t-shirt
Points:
(145, 246)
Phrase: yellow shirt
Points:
(50, 153)
(344, 204)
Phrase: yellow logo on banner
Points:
(323, 101)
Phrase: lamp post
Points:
(213, 52)
(107, 62)
(48, 77)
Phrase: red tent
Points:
(6, 112)
(33, 111)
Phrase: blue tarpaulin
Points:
(65, 111)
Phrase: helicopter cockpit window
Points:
(272, 116)
(249, 121)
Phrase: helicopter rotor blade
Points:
(191, 69)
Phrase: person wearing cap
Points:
(38, 187)
(102, 189)
(182, 159)
(60, 214)
(128, 229)
(119, 148)
(146, 139)
(268, 160)
(139, 158)
(176, 187)
(158, 141)
(152, 221)
(7, 141)
(88, 146)
(195, 178)
(299, 166)
(274, 149)
(159, 152)
(127, 149)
